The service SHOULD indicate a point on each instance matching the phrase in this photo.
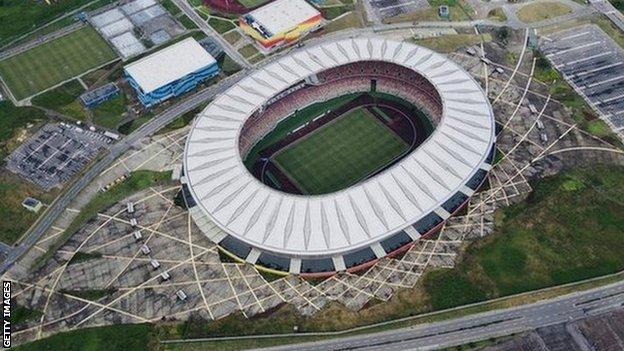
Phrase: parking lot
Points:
(594, 64)
(390, 8)
(55, 154)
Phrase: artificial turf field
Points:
(340, 153)
(53, 62)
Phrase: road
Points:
(229, 50)
(159, 121)
(477, 327)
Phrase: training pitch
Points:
(341, 153)
(51, 63)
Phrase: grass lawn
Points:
(330, 13)
(248, 51)
(20, 314)
(450, 43)
(252, 3)
(138, 180)
(135, 337)
(232, 37)
(183, 120)
(221, 25)
(19, 17)
(109, 113)
(84, 256)
(570, 228)
(53, 62)
(12, 119)
(350, 20)
(15, 219)
(341, 153)
(497, 14)
(63, 99)
(540, 11)
(92, 295)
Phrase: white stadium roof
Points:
(283, 15)
(169, 64)
(231, 201)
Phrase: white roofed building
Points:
(280, 22)
(171, 71)
(357, 225)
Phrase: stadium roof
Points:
(169, 64)
(231, 202)
(282, 15)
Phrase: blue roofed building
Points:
(171, 71)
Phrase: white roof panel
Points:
(283, 15)
(169, 64)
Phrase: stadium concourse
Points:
(381, 214)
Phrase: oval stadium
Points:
(337, 155)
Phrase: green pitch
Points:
(341, 153)
(48, 64)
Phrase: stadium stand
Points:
(350, 78)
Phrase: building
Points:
(352, 228)
(97, 96)
(31, 204)
(171, 71)
(280, 22)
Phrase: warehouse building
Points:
(171, 71)
(280, 22)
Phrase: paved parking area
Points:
(594, 64)
(55, 154)
(390, 8)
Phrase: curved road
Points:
(477, 327)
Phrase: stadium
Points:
(337, 155)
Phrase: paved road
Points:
(478, 327)
(611, 12)
(115, 151)
(229, 50)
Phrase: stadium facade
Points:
(352, 228)
(171, 71)
(280, 22)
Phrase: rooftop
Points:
(169, 64)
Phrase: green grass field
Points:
(54, 62)
(340, 153)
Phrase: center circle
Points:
(339, 127)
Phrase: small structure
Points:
(165, 276)
(444, 12)
(97, 96)
(137, 235)
(280, 22)
(130, 207)
(133, 222)
(32, 204)
(499, 70)
(181, 295)
(145, 250)
(540, 124)
(533, 109)
(111, 135)
(171, 71)
(155, 264)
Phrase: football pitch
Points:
(341, 153)
(48, 64)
